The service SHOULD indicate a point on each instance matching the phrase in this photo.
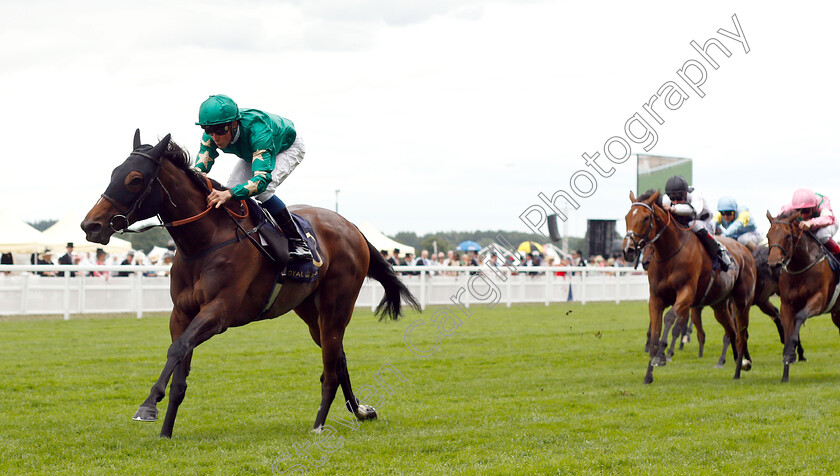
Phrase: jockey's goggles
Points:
(805, 211)
(217, 129)
(727, 212)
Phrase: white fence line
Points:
(24, 292)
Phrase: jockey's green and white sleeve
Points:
(207, 154)
(258, 139)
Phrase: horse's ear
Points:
(769, 216)
(632, 197)
(162, 145)
(136, 139)
(653, 198)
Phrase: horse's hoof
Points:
(658, 361)
(789, 360)
(746, 365)
(719, 365)
(803, 359)
(145, 414)
(366, 412)
(686, 339)
(648, 379)
(317, 430)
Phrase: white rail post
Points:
(67, 295)
(137, 288)
(509, 288)
(583, 286)
(24, 293)
(548, 283)
(423, 290)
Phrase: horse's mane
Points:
(181, 159)
(648, 194)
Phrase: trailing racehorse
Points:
(808, 286)
(681, 275)
(766, 285)
(221, 278)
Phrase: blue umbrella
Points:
(468, 246)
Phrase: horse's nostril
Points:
(91, 227)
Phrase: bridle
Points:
(640, 244)
(787, 253)
(125, 213)
(138, 203)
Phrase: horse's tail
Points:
(395, 290)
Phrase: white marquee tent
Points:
(68, 229)
(17, 236)
(382, 242)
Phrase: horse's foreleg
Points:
(768, 308)
(655, 308)
(204, 326)
(812, 308)
(670, 321)
(786, 314)
(177, 391)
(740, 308)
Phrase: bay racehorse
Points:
(807, 285)
(681, 275)
(220, 279)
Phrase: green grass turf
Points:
(522, 390)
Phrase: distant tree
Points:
(428, 243)
(148, 239)
(407, 238)
(43, 224)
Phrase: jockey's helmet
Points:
(217, 109)
(804, 198)
(727, 204)
(677, 187)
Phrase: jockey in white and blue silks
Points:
(735, 222)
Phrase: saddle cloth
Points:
(295, 270)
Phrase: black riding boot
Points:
(297, 246)
(719, 259)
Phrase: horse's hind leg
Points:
(722, 360)
(696, 319)
(362, 412)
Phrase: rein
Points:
(794, 245)
(632, 235)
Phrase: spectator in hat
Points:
(101, 256)
(128, 261)
(46, 258)
(394, 259)
(168, 258)
(67, 258)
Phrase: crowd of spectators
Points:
(99, 258)
(454, 258)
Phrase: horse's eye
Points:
(134, 181)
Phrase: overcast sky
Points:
(427, 115)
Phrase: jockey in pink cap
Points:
(815, 214)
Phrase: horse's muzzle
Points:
(95, 232)
(629, 250)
